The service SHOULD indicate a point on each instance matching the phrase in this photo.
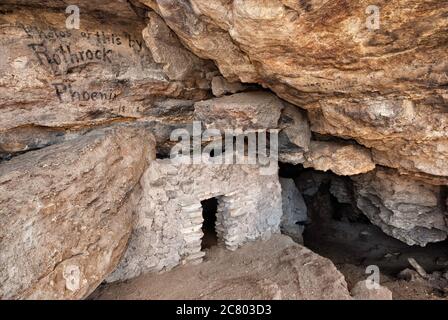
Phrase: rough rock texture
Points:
(114, 68)
(263, 270)
(168, 230)
(295, 136)
(294, 210)
(348, 99)
(309, 182)
(341, 158)
(247, 110)
(220, 86)
(178, 63)
(66, 213)
(384, 88)
(407, 209)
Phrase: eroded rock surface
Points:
(341, 158)
(114, 68)
(248, 110)
(66, 213)
(384, 88)
(294, 210)
(361, 292)
(409, 210)
(221, 87)
(371, 104)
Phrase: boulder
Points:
(344, 159)
(221, 87)
(382, 85)
(247, 110)
(66, 212)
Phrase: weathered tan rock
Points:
(407, 209)
(384, 88)
(295, 135)
(107, 71)
(344, 159)
(30, 138)
(247, 110)
(221, 87)
(402, 134)
(66, 213)
(294, 210)
(178, 63)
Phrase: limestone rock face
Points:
(407, 209)
(178, 63)
(114, 68)
(341, 158)
(78, 107)
(66, 213)
(384, 88)
(295, 135)
(247, 110)
(274, 269)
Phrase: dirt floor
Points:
(282, 269)
(273, 269)
(352, 243)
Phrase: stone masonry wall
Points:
(168, 229)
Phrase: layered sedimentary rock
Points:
(407, 209)
(341, 158)
(295, 135)
(114, 68)
(385, 87)
(264, 270)
(349, 99)
(221, 87)
(382, 86)
(247, 110)
(66, 213)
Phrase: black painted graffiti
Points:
(65, 55)
(65, 93)
(50, 34)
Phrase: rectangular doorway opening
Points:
(209, 210)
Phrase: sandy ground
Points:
(282, 269)
(273, 269)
